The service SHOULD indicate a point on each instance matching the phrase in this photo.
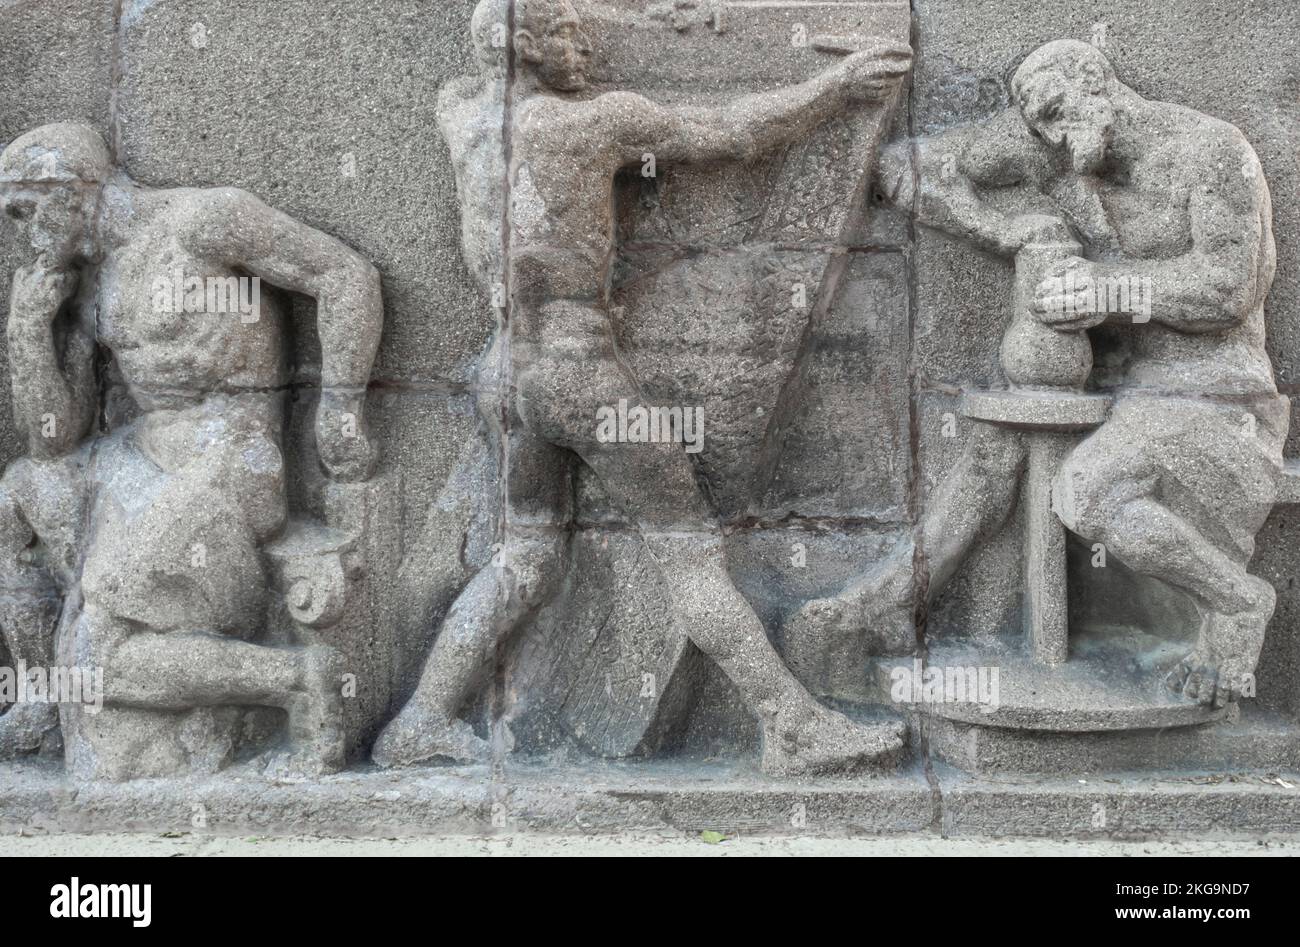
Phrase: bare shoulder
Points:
(213, 219)
(1220, 158)
(1205, 139)
(189, 208)
(610, 114)
(455, 94)
(233, 204)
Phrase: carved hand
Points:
(873, 72)
(342, 440)
(1067, 300)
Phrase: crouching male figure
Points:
(151, 527)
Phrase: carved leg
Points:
(972, 502)
(800, 736)
(1235, 605)
(28, 618)
(29, 612)
(182, 670)
(1177, 492)
(497, 601)
(560, 389)
(655, 483)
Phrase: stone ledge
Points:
(651, 798)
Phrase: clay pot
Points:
(1035, 355)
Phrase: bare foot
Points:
(815, 740)
(1218, 668)
(415, 738)
(877, 606)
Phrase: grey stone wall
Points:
(325, 110)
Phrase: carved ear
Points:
(526, 46)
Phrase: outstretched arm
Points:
(349, 312)
(53, 379)
(752, 125)
(939, 179)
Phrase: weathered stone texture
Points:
(630, 640)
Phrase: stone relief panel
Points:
(694, 391)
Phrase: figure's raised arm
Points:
(248, 234)
(51, 366)
(940, 178)
(752, 125)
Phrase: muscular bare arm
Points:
(53, 385)
(1219, 280)
(248, 234)
(752, 125)
(1226, 273)
(939, 179)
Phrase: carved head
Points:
(488, 29)
(1066, 91)
(549, 41)
(50, 180)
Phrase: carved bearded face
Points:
(1071, 112)
(551, 40)
(50, 185)
(53, 218)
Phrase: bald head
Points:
(62, 153)
(1065, 60)
(1066, 93)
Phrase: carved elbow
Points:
(894, 181)
(1231, 303)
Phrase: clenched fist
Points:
(346, 451)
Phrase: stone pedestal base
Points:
(652, 798)
(1255, 742)
(1112, 682)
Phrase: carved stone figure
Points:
(524, 575)
(151, 508)
(1174, 259)
(760, 428)
(565, 149)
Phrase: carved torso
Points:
(1141, 211)
(169, 357)
(561, 201)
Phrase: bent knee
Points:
(1085, 502)
(565, 401)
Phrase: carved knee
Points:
(1082, 499)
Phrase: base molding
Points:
(653, 798)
